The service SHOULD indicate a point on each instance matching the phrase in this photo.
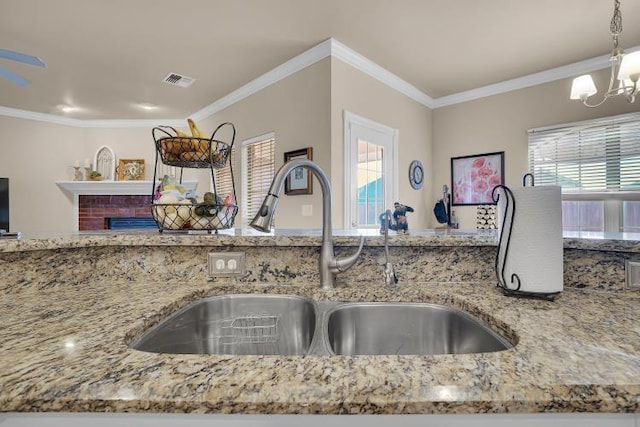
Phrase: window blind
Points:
(601, 155)
(259, 172)
(224, 181)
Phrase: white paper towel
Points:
(536, 248)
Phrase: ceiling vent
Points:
(178, 80)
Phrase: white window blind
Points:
(601, 155)
(259, 169)
(224, 180)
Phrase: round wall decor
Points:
(416, 174)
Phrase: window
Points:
(370, 200)
(224, 180)
(258, 166)
(371, 155)
(582, 215)
(597, 164)
(631, 217)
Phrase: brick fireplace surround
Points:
(94, 210)
(94, 202)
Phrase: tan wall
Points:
(365, 96)
(134, 143)
(297, 110)
(500, 123)
(36, 154)
(304, 110)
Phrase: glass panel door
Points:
(371, 183)
(371, 155)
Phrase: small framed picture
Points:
(473, 178)
(104, 162)
(299, 180)
(130, 169)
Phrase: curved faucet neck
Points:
(328, 263)
(278, 184)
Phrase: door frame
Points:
(350, 150)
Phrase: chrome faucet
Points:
(329, 264)
(390, 277)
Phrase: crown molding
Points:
(334, 48)
(564, 72)
(330, 47)
(292, 66)
(40, 117)
(67, 121)
(365, 65)
(132, 123)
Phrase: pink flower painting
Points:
(474, 178)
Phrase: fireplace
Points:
(130, 222)
(94, 202)
(96, 211)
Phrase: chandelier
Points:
(625, 70)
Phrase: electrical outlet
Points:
(226, 264)
(632, 268)
(307, 210)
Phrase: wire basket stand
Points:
(197, 153)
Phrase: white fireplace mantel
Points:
(96, 188)
(93, 188)
(130, 188)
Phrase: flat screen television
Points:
(4, 204)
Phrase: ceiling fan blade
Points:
(21, 57)
(13, 77)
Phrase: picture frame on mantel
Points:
(105, 163)
(474, 177)
(130, 169)
(299, 180)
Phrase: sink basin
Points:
(261, 324)
(407, 328)
(236, 324)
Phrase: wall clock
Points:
(416, 174)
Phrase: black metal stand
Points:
(188, 152)
(503, 249)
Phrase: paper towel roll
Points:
(536, 248)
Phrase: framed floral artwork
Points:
(473, 178)
(131, 170)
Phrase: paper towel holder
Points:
(531, 178)
(503, 247)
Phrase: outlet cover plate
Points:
(632, 270)
(227, 264)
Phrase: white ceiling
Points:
(106, 56)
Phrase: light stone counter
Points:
(612, 242)
(246, 237)
(71, 305)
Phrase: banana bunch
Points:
(181, 134)
(198, 145)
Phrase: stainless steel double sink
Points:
(257, 324)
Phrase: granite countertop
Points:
(65, 345)
(65, 349)
(623, 242)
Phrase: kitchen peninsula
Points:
(71, 304)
